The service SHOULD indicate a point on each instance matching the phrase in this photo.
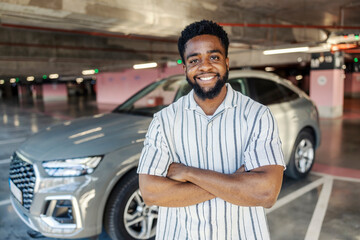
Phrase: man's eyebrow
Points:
(210, 51)
(214, 51)
(192, 55)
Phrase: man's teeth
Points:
(205, 78)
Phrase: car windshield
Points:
(155, 97)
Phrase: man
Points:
(212, 161)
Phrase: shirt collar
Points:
(228, 102)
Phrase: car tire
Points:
(127, 217)
(302, 156)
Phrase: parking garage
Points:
(69, 68)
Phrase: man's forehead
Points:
(206, 41)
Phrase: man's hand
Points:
(177, 172)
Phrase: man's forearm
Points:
(162, 191)
(259, 187)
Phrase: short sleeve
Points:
(264, 147)
(155, 158)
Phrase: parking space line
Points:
(349, 179)
(5, 202)
(292, 196)
(314, 229)
(15, 140)
(4, 161)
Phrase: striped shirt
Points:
(241, 132)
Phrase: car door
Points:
(280, 101)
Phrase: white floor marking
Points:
(314, 229)
(292, 196)
(4, 161)
(349, 179)
(5, 202)
(15, 140)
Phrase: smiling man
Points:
(212, 160)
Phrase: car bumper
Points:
(51, 203)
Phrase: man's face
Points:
(206, 66)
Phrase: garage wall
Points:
(116, 87)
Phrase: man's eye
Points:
(214, 58)
(192, 61)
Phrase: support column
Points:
(327, 83)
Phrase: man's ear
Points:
(184, 68)
(227, 63)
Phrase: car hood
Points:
(89, 136)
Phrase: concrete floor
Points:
(323, 206)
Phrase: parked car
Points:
(72, 179)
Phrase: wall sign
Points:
(321, 80)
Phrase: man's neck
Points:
(209, 106)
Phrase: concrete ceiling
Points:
(66, 36)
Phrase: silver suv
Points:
(72, 179)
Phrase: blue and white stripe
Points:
(241, 132)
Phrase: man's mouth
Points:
(207, 77)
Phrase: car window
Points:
(152, 98)
(265, 91)
(288, 93)
(238, 85)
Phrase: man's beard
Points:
(213, 92)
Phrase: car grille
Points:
(23, 176)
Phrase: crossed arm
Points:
(185, 186)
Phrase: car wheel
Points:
(302, 156)
(126, 214)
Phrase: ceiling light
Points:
(299, 77)
(269, 69)
(286, 50)
(2, 81)
(145, 65)
(79, 80)
(88, 72)
(30, 78)
(12, 80)
(54, 76)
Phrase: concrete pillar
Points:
(54, 92)
(327, 83)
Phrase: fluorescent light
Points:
(269, 69)
(53, 76)
(88, 72)
(286, 50)
(79, 80)
(12, 80)
(2, 81)
(145, 65)
(30, 78)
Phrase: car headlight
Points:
(71, 167)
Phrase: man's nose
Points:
(205, 65)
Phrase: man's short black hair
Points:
(201, 28)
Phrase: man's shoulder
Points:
(247, 103)
(249, 107)
(171, 110)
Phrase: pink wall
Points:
(116, 87)
(327, 87)
(54, 91)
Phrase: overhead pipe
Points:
(103, 34)
(265, 25)
(10, 44)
